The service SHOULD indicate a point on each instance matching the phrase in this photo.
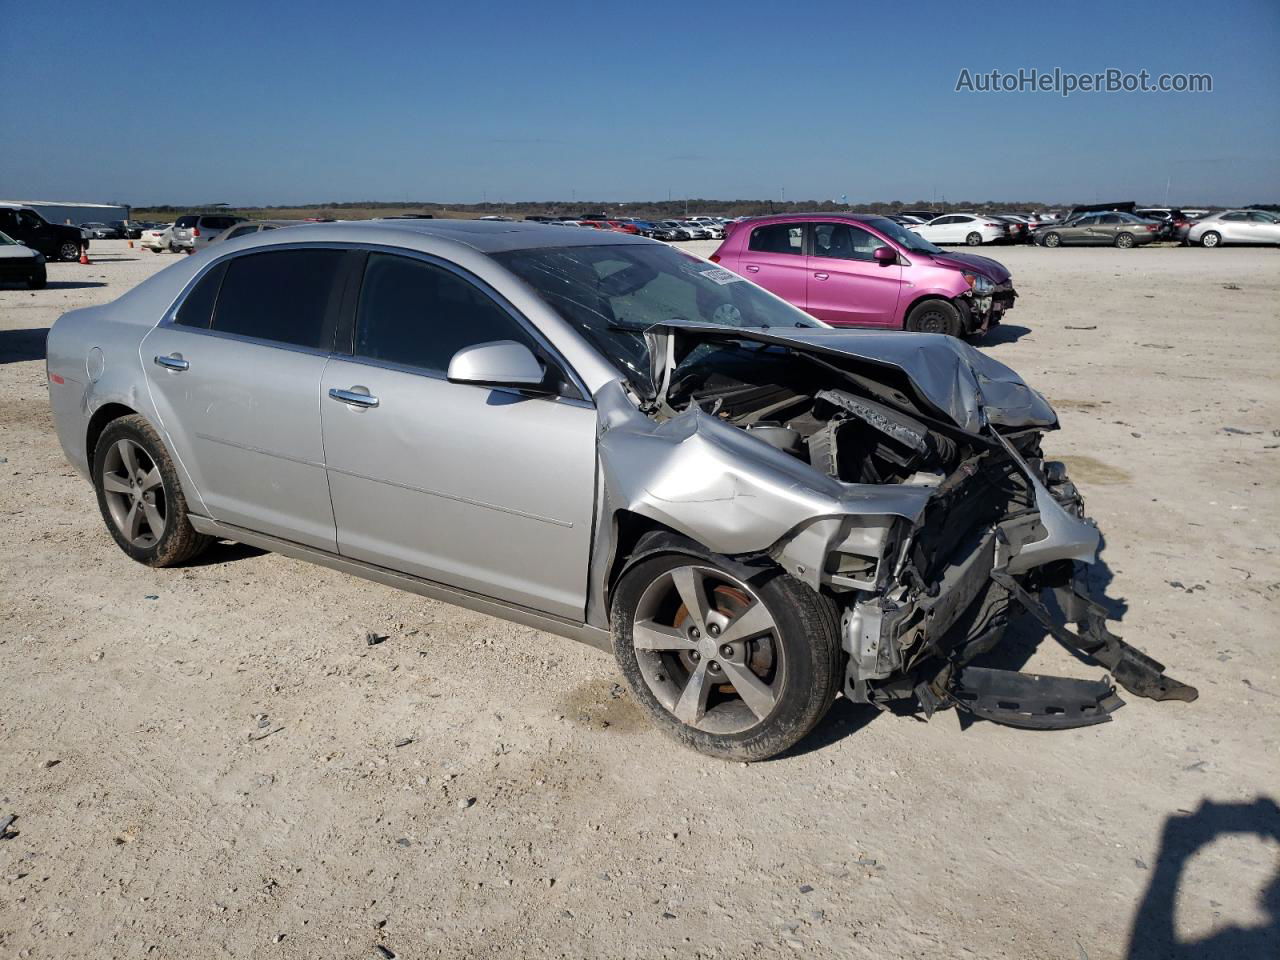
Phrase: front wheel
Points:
(974, 239)
(934, 316)
(68, 251)
(1210, 239)
(140, 497)
(1124, 241)
(38, 280)
(736, 662)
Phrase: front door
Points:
(235, 376)
(485, 489)
(847, 286)
(775, 259)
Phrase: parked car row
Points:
(692, 228)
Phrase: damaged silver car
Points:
(604, 438)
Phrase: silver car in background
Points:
(599, 436)
(1235, 226)
(194, 231)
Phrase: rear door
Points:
(235, 375)
(487, 489)
(775, 259)
(847, 286)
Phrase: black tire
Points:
(1052, 240)
(1211, 239)
(807, 631)
(177, 541)
(934, 316)
(974, 239)
(38, 280)
(68, 251)
(1124, 240)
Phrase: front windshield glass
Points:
(900, 235)
(6, 240)
(612, 294)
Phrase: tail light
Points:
(714, 258)
(195, 231)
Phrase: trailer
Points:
(75, 213)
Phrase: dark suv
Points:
(55, 241)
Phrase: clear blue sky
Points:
(276, 102)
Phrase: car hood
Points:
(993, 270)
(963, 384)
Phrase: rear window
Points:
(241, 231)
(281, 295)
(186, 222)
(218, 223)
(777, 238)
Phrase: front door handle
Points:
(353, 398)
(752, 268)
(821, 276)
(173, 362)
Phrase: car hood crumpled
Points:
(963, 383)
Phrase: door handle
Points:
(353, 398)
(821, 276)
(752, 268)
(174, 363)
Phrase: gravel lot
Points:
(534, 813)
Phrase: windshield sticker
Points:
(721, 276)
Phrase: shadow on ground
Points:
(1154, 934)
(1002, 333)
(19, 345)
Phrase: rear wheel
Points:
(974, 239)
(140, 497)
(1124, 240)
(38, 279)
(1210, 239)
(1052, 240)
(68, 251)
(736, 662)
(934, 316)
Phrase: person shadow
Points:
(1153, 935)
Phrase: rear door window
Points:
(242, 231)
(281, 295)
(778, 238)
(197, 308)
(419, 315)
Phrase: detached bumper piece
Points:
(1031, 701)
(1138, 673)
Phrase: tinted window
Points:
(420, 315)
(282, 295)
(1234, 217)
(217, 223)
(1109, 218)
(241, 231)
(778, 238)
(186, 222)
(197, 309)
(1258, 217)
(841, 241)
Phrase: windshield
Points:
(900, 235)
(612, 294)
(6, 240)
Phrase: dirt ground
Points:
(534, 813)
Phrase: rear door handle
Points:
(174, 363)
(821, 276)
(353, 398)
(752, 268)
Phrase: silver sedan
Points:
(602, 437)
(1236, 226)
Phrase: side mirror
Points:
(502, 363)
(885, 256)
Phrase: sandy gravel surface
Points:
(534, 813)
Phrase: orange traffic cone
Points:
(84, 256)
(130, 244)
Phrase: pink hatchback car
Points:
(866, 271)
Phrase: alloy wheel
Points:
(708, 649)
(69, 251)
(134, 491)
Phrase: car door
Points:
(490, 490)
(1080, 231)
(847, 286)
(1266, 228)
(234, 373)
(775, 259)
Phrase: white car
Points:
(158, 239)
(711, 225)
(967, 228)
(1235, 226)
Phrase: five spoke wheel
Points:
(134, 491)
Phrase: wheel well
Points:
(954, 301)
(98, 422)
(629, 532)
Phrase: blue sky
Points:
(275, 102)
